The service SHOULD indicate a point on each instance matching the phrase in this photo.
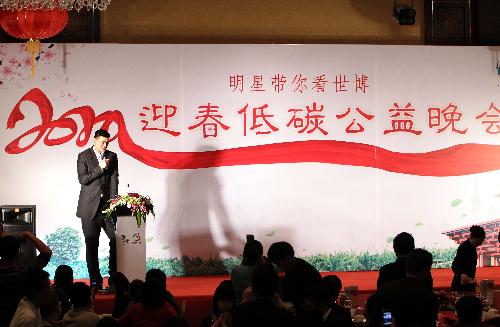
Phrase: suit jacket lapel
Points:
(92, 157)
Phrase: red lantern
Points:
(33, 25)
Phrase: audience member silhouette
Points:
(81, 315)
(264, 309)
(409, 299)
(120, 286)
(298, 273)
(333, 285)
(134, 291)
(36, 289)
(402, 244)
(50, 310)
(464, 264)
(223, 304)
(316, 300)
(241, 276)
(63, 280)
(154, 309)
(469, 311)
(162, 278)
(13, 270)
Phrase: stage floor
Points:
(194, 293)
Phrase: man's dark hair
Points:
(265, 280)
(103, 133)
(477, 232)
(419, 261)
(80, 295)
(35, 282)
(135, 290)
(403, 244)
(279, 251)
(158, 275)
(317, 294)
(9, 247)
(119, 282)
(252, 253)
(153, 294)
(333, 285)
(224, 291)
(63, 277)
(469, 309)
(49, 304)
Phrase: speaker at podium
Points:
(16, 219)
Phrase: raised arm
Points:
(86, 175)
(38, 243)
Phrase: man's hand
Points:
(104, 163)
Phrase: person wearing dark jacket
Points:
(298, 273)
(264, 308)
(402, 244)
(409, 300)
(464, 264)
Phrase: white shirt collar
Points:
(97, 154)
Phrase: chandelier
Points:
(54, 4)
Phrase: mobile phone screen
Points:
(387, 318)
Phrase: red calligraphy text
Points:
(402, 119)
(309, 122)
(354, 126)
(209, 112)
(259, 120)
(450, 115)
(491, 118)
(155, 118)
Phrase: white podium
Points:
(130, 248)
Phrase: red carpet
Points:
(195, 292)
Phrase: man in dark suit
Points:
(410, 300)
(402, 244)
(299, 274)
(98, 176)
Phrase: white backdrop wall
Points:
(323, 197)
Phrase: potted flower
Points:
(132, 204)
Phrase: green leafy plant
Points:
(65, 244)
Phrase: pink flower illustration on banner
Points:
(3, 50)
(69, 95)
(14, 62)
(26, 62)
(8, 73)
(15, 57)
(48, 56)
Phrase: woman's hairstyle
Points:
(224, 291)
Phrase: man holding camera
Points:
(13, 270)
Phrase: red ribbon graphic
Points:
(457, 160)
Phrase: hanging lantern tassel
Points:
(33, 46)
